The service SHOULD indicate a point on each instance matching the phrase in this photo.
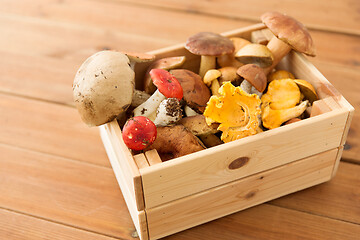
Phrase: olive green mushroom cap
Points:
(290, 31)
(209, 44)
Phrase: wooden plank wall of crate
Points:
(55, 178)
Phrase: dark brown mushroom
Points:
(196, 93)
(209, 45)
(254, 75)
(163, 63)
(289, 34)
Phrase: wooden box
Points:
(167, 197)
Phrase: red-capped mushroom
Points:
(167, 87)
(139, 132)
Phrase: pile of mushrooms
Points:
(236, 93)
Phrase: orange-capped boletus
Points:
(175, 141)
(254, 79)
(196, 93)
(289, 34)
(208, 45)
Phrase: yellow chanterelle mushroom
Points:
(235, 110)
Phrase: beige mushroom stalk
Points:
(103, 87)
(208, 45)
(289, 34)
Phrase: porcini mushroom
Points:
(196, 93)
(139, 132)
(289, 34)
(254, 79)
(103, 87)
(208, 45)
(168, 112)
(228, 60)
(168, 87)
(175, 141)
(163, 63)
(255, 53)
(307, 89)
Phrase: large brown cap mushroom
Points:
(209, 45)
(196, 93)
(290, 31)
(254, 75)
(103, 87)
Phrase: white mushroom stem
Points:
(169, 111)
(149, 107)
(206, 63)
(189, 111)
(279, 50)
(250, 89)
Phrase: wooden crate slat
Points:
(206, 206)
(153, 157)
(141, 161)
(126, 182)
(174, 179)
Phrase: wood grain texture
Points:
(208, 205)
(70, 192)
(174, 179)
(16, 226)
(313, 14)
(276, 223)
(337, 199)
(49, 128)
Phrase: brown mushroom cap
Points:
(254, 75)
(175, 141)
(139, 57)
(290, 31)
(198, 126)
(209, 44)
(196, 93)
(255, 53)
(163, 63)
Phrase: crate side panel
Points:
(138, 217)
(125, 160)
(232, 197)
(212, 167)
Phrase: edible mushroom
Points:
(289, 34)
(168, 112)
(167, 87)
(103, 87)
(196, 93)
(229, 59)
(175, 141)
(254, 79)
(209, 45)
(255, 53)
(139, 132)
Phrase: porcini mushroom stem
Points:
(279, 50)
(206, 63)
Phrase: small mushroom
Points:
(272, 118)
(196, 93)
(168, 112)
(103, 87)
(175, 141)
(235, 110)
(254, 79)
(168, 87)
(289, 34)
(255, 54)
(163, 63)
(198, 126)
(138, 133)
(211, 75)
(280, 74)
(208, 45)
(228, 60)
(307, 89)
(228, 74)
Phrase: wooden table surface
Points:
(55, 178)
